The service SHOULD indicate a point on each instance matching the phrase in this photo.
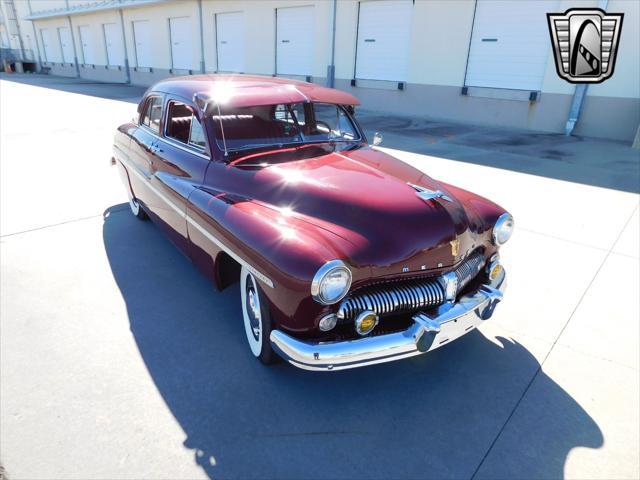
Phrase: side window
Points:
(152, 114)
(332, 122)
(183, 126)
(196, 135)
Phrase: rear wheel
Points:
(136, 209)
(257, 318)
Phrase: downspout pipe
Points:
(73, 40)
(579, 94)
(127, 68)
(35, 37)
(202, 70)
(75, 50)
(331, 69)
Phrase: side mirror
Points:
(377, 139)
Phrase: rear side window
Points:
(152, 114)
(183, 126)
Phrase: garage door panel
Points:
(86, 42)
(181, 48)
(66, 45)
(113, 43)
(295, 32)
(383, 40)
(142, 38)
(509, 44)
(230, 33)
(49, 52)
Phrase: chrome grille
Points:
(386, 300)
(468, 269)
(407, 296)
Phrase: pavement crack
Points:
(35, 229)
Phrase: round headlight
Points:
(331, 283)
(503, 229)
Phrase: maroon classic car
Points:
(345, 256)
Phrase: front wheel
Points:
(257, 319)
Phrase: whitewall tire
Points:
(256, 316)
(136, 209)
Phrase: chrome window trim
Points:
(266, 280)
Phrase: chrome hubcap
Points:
(253, 308)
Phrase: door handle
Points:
(155, 149)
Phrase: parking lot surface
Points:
(119, 360)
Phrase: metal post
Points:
(127, 69)
(202, 70)
(331, 69)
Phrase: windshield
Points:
(274, 125)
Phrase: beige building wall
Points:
(437, 51)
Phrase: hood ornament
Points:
(455, 247)
(426, 194)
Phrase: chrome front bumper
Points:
(428, 332)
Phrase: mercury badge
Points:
(455, 247)
(585, 43)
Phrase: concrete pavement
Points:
(118, 360)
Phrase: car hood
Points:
(366, 197)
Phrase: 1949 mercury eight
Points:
(345, 255)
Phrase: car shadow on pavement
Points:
(431, 416)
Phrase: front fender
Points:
(283, 252)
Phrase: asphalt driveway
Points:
(119, 360)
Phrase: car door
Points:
(141, 151)
(179, 161)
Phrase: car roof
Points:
(240, 90)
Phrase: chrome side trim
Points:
(266, 280)
(427, 333)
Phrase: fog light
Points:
(496, 270)
(365, 322)
(328, 322)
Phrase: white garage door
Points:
(113, 42)
(295, 30)
(86, 41)
(66, 45)
(181, 43)
(230, 41)
(383, 40)
(142, 38)
(47, 46)
(509, 44)
(4, 40)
